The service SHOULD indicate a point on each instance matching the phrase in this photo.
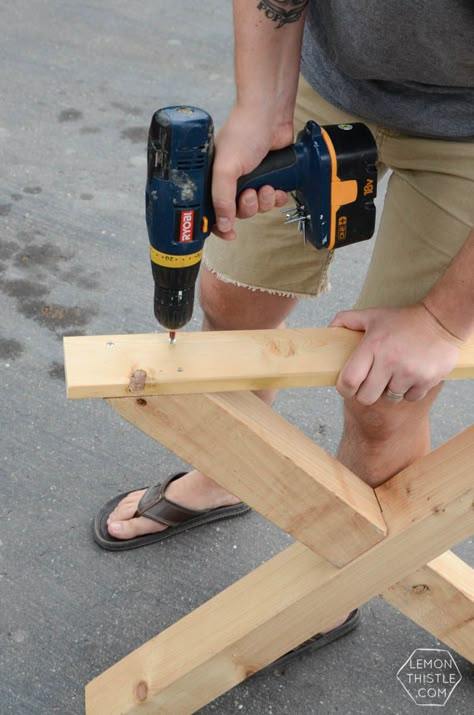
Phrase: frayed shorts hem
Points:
(323, 287)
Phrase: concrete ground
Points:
(79, 83)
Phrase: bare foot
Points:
(194, 490)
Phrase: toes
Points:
(133, 527)
(127, 507)
(121, 523)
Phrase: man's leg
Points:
(426, 218)
(226, 307)
(381, 440)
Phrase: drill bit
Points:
(172, 337)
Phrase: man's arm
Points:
(268, 37)
(410, 350)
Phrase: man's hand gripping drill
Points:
(331, 172)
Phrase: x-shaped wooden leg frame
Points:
(353, 542)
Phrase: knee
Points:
(227, 306)
(218, 302)
(383, 421)
(370, 423)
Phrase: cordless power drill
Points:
(330, 170)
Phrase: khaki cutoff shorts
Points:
(427, 215)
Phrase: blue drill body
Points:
(325, 167)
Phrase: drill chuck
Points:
(174, 295)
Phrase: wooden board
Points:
(249, 449)
(440, 598)
(293, 596)
(120, 365)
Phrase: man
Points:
(406, 70)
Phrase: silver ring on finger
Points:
(394, 396)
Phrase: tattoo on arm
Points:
(282, 12)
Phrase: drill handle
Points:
(277, 169)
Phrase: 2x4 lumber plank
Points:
(246, 409)
(256, 454)
(104, 366)
(440, 598)
(292, 596)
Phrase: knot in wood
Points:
(281, 348)
(420, 588)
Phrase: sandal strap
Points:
(154, 505)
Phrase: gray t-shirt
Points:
(405, 64)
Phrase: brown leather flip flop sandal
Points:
(318, 641)
(314, 643)
(155, 506)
